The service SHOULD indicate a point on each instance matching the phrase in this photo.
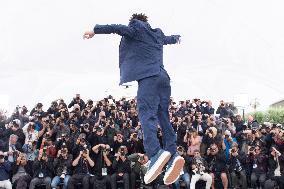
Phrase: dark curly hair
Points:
(142, 17)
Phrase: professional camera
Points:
(122, 151)
(85, 149)
(251, 150)
(134, 135)
(85, 126)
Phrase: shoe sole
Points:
(157, 168)
(174, 172)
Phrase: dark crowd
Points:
(100, 145)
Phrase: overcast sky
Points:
(228, 47)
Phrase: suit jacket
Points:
(140, 50)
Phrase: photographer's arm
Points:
(76, 161)
(96, 148)
(107, 160)
(25, 128)
(91, 162)
(185, 138)
(42, 131)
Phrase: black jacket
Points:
(46, 168)
(59, 164)
(272, 165)
(241, 157)
(121, 166)
(28, 167)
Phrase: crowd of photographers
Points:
(100, 145)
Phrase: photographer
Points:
(135, 144)
(138, 168)
(48, 147)
(31, 151)
(212, 137)
(42, 171)
(86, 117)
(239, 124)
(275, 170)
(103, 166)
(206, 107)
(64, 140)
(184, 175)
(97, 136)
(77, 100)
(60, 128)
(216, 160)
(74, 131)
(193, 141)
(237, 165)
(82, 165)
(62, 165)
(119, 141)
(37, 110)
(227, 124)
(228, 141)
(53, 109)
(223, 110)
(14, 129)
(30, 133)
(199, 169)
(22, 172)
(5, 171)
(80, 145)
(258, 166)
(12, 148)
(110, 131)
(121, 167)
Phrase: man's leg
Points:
(23, 181)
(206, 177)
(224, 179)
(66, 179)
(6, 184)
(47, 182)
(126, 180)
(73, 180)
(234, 179)
(113, 181)
(186, 179)
(243, 179)
(55, 181)
(86, 181)
(194, 179)
(262, 178)
(269, 184)
(132, 180)
(253, 178)
(169, 135)
(147, 103)
(34, 182)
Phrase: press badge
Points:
(104, 171)
(40, 175)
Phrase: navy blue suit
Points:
(141, 59)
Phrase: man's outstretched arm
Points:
(109, 29)
(173, 39)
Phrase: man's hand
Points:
(88, 35)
